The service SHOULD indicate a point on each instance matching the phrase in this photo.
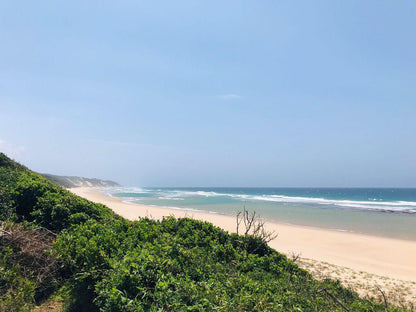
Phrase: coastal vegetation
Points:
(54, 244)
(74, 181)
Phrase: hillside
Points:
(57, 246)
(74, 181)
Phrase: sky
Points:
(212, 93)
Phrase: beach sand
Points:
(363, 262)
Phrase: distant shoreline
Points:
(273, 221)
(383, 212)
(393, 258)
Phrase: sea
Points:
(388, 212)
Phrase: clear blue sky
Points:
(212, 93)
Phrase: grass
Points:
(399, 293)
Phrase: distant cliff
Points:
(71, 181)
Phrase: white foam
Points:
(167, 197)
(185, 209)
(181, 195)
(404, 206)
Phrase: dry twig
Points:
(253, 225)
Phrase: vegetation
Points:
(72, 181)
(53, 241)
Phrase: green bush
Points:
(184, 264)
(30, 197)
(7, 211)
(8, 179)
(7, 163)
(29, 188)
(59, 210)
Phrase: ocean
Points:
(389, 212)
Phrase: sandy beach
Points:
(371, 257)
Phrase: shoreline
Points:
(382, 256)
(272, 221)
(318, 209)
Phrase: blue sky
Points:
(211, 93)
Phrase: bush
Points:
(60, 210)
(7, 211)
(29, 188)
(7, 163)
(184, 264)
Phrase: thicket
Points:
(111, 264)
(32, 212)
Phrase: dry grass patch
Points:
(383, 289)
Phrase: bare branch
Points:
(239, 219)
(294, 256)
(384, 298)
(253, 225)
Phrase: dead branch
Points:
(253, 225)
(295, 256)
(30, 251)
(238, 220)
(384, 298)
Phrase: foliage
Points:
(8, 178)
(33, 198)
(28, 273)
(184, 264)
(29, 188)
(7, 211)
(6, 162)
(73, 181)
(60, 210)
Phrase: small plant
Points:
(249, 223)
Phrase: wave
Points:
(399, 206)
(181, 195)
(125, 189)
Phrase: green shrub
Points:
(7, 210)
(59, 210)
(8, 178)
(29, 188)
(7, 163)
(184, 264)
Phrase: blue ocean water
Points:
(379, 211)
